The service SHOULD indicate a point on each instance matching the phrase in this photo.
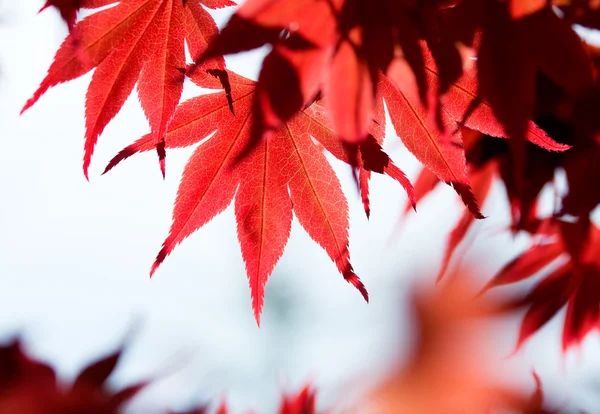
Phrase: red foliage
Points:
(446, 374)
(333, 67)
(285, 174)
(574, 283)
(28, 386)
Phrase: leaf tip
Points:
(257, 317)
(160, 257)
(44, 7)
(27, 105)
(358, 284)
(153, 269)
(257, 305)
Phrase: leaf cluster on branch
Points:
(456, 77)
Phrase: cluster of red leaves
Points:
(566, 107)
(575, 283)
(333, 67)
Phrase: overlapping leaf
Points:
(367, 156)
(459, 97)
(139, 41)
(489, 159)
(442, 154)
(335, 47)
(574, 283)
(516, 42)
(461, 102)
(285, 173)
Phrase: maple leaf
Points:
(301, 403)
(575, 283)
(447, 161)
(442, 154)
(22, 379)
(368, 156)
(31, 387)
(514, 41)
(283, 174)
(136, 41)
(489, 158)
(461, 101)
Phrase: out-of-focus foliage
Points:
(450, 370)
(29, 386)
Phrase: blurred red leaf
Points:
(301, 403)
(481, 180)
(450, 369)
(31, 387)
(575, 283)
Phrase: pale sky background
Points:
(75, 256)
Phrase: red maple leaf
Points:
(367, 156)
(301, 403)
(489, 159)
(574, 283)
(283, 174)
(425, 141)
(31, 387)
(462, 102)
(442, 154)
(136, 41)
